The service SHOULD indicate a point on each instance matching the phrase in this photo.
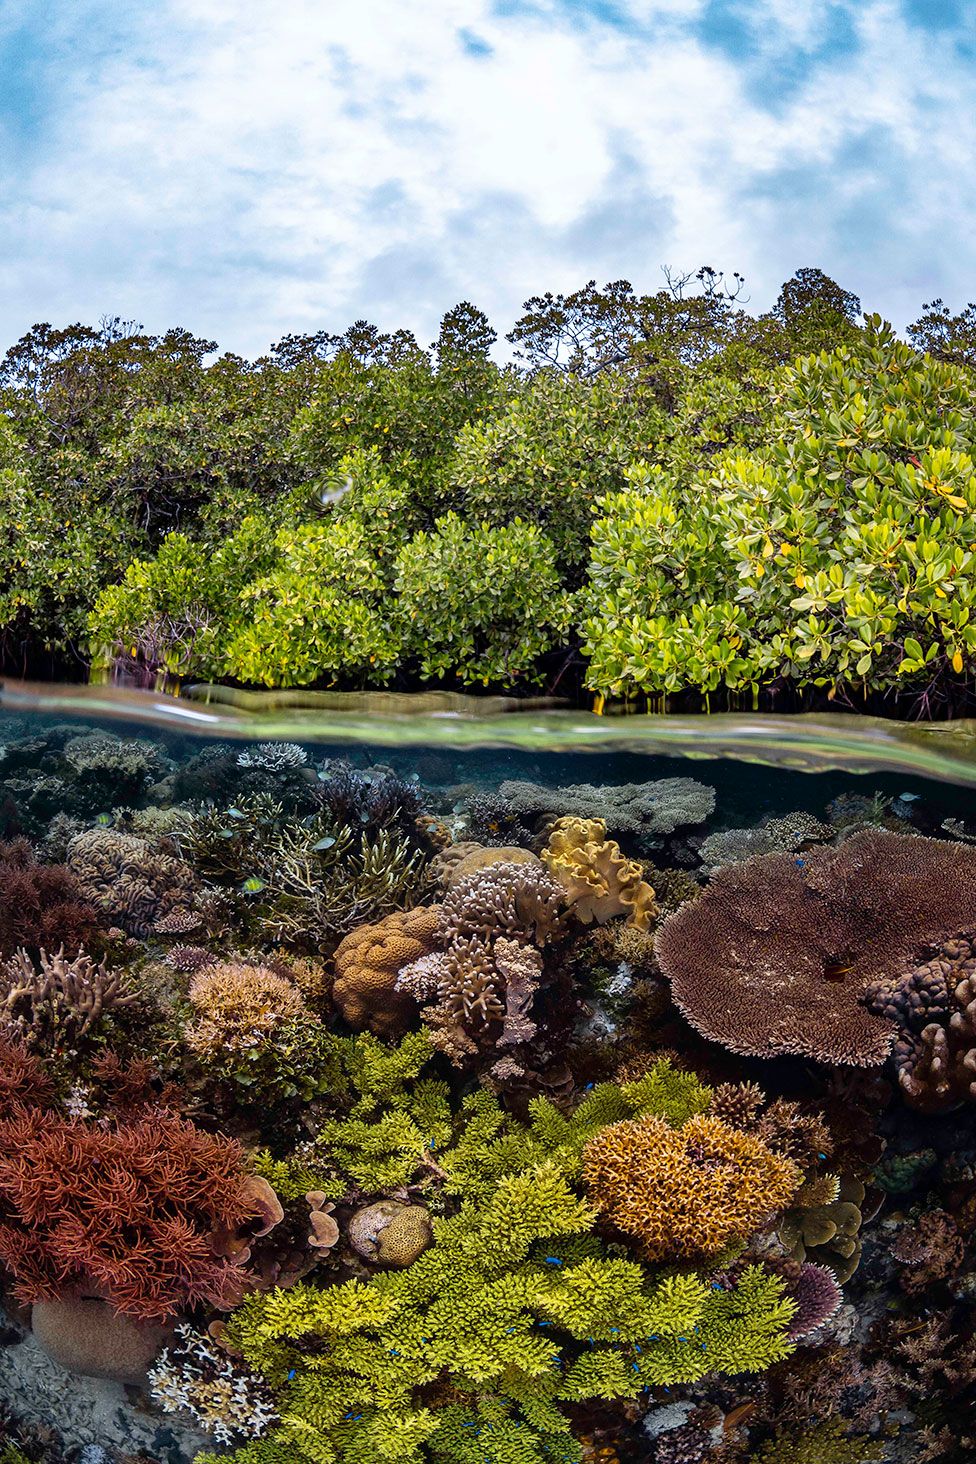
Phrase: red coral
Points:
(40, 904)
(128, 1212)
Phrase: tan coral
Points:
(688, 1192)
(389, 1233)
(368, 962)
(239, 1006)
(823, 1224)
(598, 879)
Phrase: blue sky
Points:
(247, 169)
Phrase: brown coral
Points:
(59, 1001)
(685, 1192)
(777, 954)
(367, 964)
(514, 898)
(599, 882)
(935, 1008)
(391, 1234)
(40, 904)
(239, 1006)
(823, 1224)
(132, 883)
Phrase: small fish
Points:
(104, 820)
(325, 843)
(459, 807)
(909, 797)
(235, 813)
(252, 885)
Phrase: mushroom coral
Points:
(778, 954)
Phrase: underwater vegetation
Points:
(345, 1117)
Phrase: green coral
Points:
(825, 1443)
(513, 1310)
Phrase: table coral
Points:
(685, 1192)
(645, 809)
(778, 953)
(599, 881)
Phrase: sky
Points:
(247, 169)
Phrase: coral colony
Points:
(348, 1118)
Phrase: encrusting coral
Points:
(823, 1224)
(598, 881)
(777, 955)
(687, 1192)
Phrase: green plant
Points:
(481, 603)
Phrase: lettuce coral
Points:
(599, 882)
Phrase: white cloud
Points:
(249, 169)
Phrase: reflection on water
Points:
(813, 742)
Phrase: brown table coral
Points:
(777, 955)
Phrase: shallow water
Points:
(212, 786)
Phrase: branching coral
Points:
(599, 882)
(127, 1212)
(226, 1399)
(647, 810)
(130, 882)
(688, 1192)
(778, 952)
(59, 1001)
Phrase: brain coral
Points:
(368, 962)
(129, 881)
(778, 953)
(598, 880)
(685, 1192)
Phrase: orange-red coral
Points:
(686, 1192)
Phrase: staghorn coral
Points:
(930, 1250)
(131, 883)
(778, 952)
(367, 964)
(225, 1398)
(687, 1192)
(40, 904)
(238, 1007)
(599, 882)
(647, 810)
(58, 1002)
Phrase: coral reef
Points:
(934, 1007)
(777, 955)
(225, 1399)
(58, 1001)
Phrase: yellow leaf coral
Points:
(685, 1192)
(596, 876)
